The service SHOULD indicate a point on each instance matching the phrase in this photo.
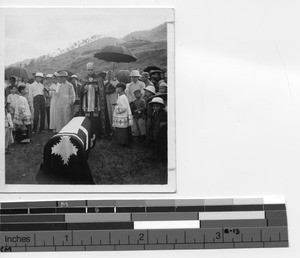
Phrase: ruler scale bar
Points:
(95, 225)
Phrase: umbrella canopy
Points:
(117, 54)
(17, 71)
(153, 68)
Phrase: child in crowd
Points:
(138, 109)
(149, 92)
(122, 117)
(22, 117)
(12, 99)
(8, 129)
(160, 132)
(163, 88)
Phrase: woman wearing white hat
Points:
(134, 85)
(54, 88)
(36, 96)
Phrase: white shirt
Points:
(12, 99)
(36, 88)
(132, 87)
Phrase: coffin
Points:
(66, 155)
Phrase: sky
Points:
(30, 33)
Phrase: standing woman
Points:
(65, 101)
(122, 117)
(54, 88)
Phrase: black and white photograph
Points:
(88, 99)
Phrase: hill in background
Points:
(149, 46)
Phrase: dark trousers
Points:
(48, 116)
(39, 109)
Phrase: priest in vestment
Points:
(93, 102)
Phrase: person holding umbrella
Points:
(65, 101)
(76, 86)
(36, 97)
(93, 101)
(111, 94)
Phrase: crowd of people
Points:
(137, 109)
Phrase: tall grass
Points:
(109, 162)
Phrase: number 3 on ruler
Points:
(218, 235)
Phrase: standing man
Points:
(76, 86)
(36, 97)
(111, 94)
(145, 79)
(65, 101)
(93, 102)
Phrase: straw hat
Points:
(49, 75)
(63, 74)
(135, 73)
(74, 76)
(38, 74)
(56, 74)
(158, 101)
(146, 74)
(151, 89)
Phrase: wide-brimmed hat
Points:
(151, 89)
(163, 84)
(146, 73)
(63, 74)
(74, 76)
(121, 85)
(38, 74)
(157, 100)
(49, 75)
(56, 74)
(135, 73)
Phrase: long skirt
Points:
(123, 135)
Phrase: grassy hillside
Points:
(149, 51)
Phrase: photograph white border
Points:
(170, 187)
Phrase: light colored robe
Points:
(65, 100)
(54, 88)
(122, 117)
